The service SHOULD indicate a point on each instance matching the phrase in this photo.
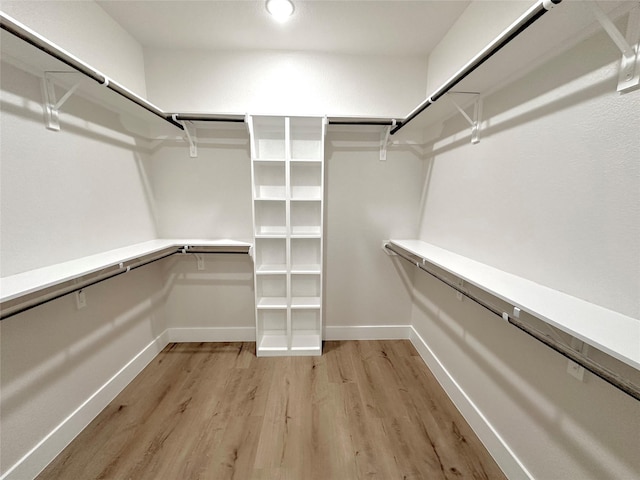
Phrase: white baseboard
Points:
(368, 332)
(490, 438)
(212, 334)
(31, 464)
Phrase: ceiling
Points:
(363, 27)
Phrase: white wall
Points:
(207, 197)
(65, 195)
(284, 83)
(55, 358)
(478, 25)
(85, 30)
(367, 201)
(214, 304)
(70, 193)
(551, 193)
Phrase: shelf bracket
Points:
(384, 140)
(629, 45)
(51, 104)
(191, 137)
(477, 113)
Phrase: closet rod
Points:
(525, 21)
(360, 121)
(26, 34)
(205, 117)
(587, 363)
(19, 305)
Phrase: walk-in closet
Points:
(300, 239)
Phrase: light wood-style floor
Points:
(363, 410)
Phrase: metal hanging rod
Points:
(35, 299)
(26, 34)
(587, 363)
(360, 121)
(205, 117)
(524, 22)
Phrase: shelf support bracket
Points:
(629, 45)
(51, 104)
(477, 114)
(384, 140)
(191, 137)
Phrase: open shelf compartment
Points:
(306, 219)
(270, 256)
(306, 138)
(269, 180)
(270, 219)
(269, 138)
(271, 292)
(272, 331)
(306, 255)
(306, 181)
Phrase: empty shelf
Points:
(611, 332)
(57, 279)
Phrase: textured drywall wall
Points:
(54, 358)
(478, 25)
(66, 194)
(367, 201)
(85, 30)
(208, 196)
(551, 193)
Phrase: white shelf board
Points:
(271, 231)
(296, 197)
(611, 332)
(306, 160)
(270, 198)
(273, 342)
(306, 340)
(305, 302)
(269, 160)
(306, 235)
(306, 269)
(276, 303)
(271, 269)
(25, 283)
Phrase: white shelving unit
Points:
(287, 171)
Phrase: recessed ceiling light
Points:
(280, 9)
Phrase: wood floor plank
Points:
(362, 410)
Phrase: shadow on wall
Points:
(219, 296)
(557, 76)
(55, 353)
(55, 357)
(532, 377)
(357, 139)
(22, 96)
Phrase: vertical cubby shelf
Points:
(287, 159)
